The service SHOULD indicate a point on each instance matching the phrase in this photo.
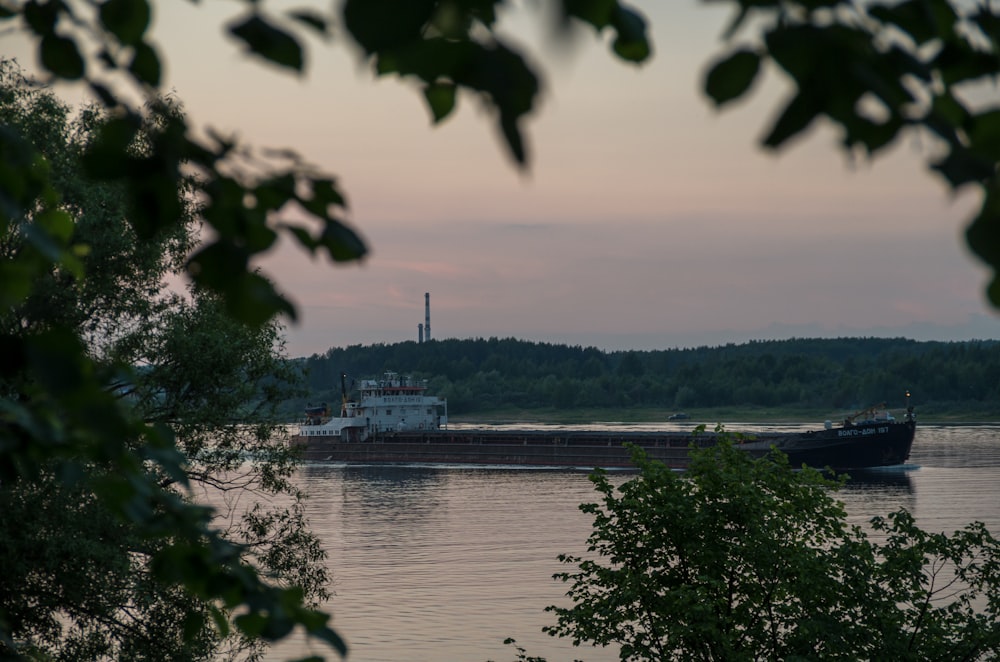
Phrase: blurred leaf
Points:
(923, 20)
(194, 622)
(379, 25)
(145, 65)
(126, 19)
(303, 236)
(107, 157)
(983, 237)
(983, 131)
(218, 264)
(252, 624)
(631, 43)
(326, 193)
(103, 94)
(220, 620)
(341, 242)
(153, 193)
(514, 139)
(60, 56)
(311, 19)
(440, 99)
(960, 167)
(958, 62)
(253, 300)
(798, 114)
(41, 17)
(331, 637)
(596, 12)
(269, 42)
(274, 193)
(730, 78)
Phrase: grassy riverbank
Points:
(710, 416)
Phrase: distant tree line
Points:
(836, 374)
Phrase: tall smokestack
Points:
(420, 333)
(427, 315)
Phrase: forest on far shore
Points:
(480, 376)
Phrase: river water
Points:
(444, 563)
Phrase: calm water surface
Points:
(443, 563)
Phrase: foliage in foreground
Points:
(81, 581)
(65, 424)
(737, 559)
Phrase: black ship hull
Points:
(861, 446)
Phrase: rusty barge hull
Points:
(858, 447)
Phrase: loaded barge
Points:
(395, 421)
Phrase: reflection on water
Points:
(438, 563)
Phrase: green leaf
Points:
(341, 242)
(271, 43)
(596, 12)
(379, 25)
(514, 139)
(326, 193)
(219, 265)
(126, 19)
(104, 94)
(631, 43)
(107, 156)
(983, 233)
(252, 624)
(440, 99)
(303, 236)
(145, 65)
(328, 635)
(960, 167)
(61, 56)
(795, 118)
(41, 17)
(923, 20)
(957, 63)
(311, 19)
(275, 193)
(254, 301)
(731, 78)
(220, 620)
(983, 131)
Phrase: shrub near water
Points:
(753, 559)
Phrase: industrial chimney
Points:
(427, 315)
(420, 333)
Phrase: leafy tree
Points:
(877, 71)
(742, 559)
(80, 581)
(62, 424)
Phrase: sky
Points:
(647, 219)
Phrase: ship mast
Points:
(343, 395)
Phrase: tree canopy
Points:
(874, 68)
(81, 412)
(743, 559)
(81, 581)
(878, 71)
(833, 375)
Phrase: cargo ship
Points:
(394, 420)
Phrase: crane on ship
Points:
(865, 414)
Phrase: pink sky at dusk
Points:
(647, 219)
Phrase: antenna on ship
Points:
(343, 395)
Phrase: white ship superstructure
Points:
(390, 404)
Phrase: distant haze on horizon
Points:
(647, 220)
